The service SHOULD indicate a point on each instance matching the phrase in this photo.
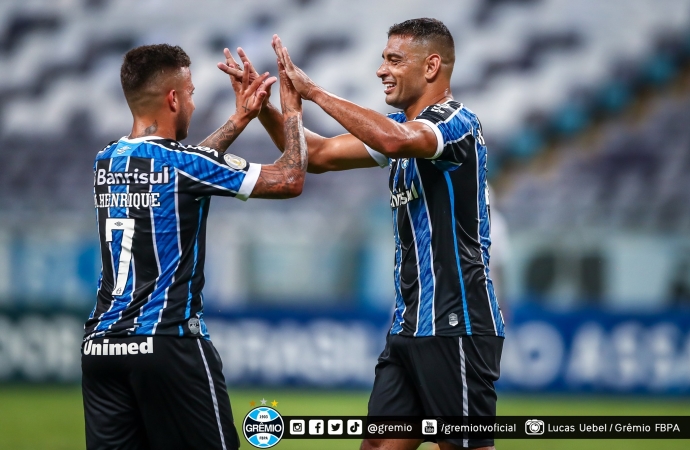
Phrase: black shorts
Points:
(438, 376)
(155, 393)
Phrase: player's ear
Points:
(172, 100)
(432, 66)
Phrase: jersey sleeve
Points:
(380, 158)
(454, 136)
(209, 172)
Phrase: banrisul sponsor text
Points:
(103, 177)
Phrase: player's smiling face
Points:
(402, 71)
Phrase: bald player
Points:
(444, 346)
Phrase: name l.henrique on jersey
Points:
(152, 198)
(442, 231)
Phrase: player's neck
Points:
(431, 97)
(152, 126)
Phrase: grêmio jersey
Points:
(152, 199)
(442, 228)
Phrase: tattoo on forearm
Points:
(149, 131)
(222, 138)
(295, 155)
(289, 168)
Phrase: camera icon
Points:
(297, 427)
(534, 427)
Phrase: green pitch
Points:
(50, 418)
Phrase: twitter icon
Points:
(335, 426)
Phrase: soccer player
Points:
(444, 347)
(151, 377)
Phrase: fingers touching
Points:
(252, 89)
(261, 85)
(281, 52)
(234, 69)
(245, 59)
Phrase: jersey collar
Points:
(141, 139)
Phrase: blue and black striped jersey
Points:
(152, 199)
(442, 231)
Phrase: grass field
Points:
(50, 418)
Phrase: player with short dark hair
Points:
(444, 347)
(151, 376)
(144, 66)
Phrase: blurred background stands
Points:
(551, 80)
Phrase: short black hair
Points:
(426, 29)
(142, 64)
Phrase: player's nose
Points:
(382, 71)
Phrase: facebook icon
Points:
(315, 427)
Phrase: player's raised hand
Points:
(236, 72)
(249, 96)
(290, 99)
(251, 91)
(302, 83)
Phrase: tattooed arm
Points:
(249, 97)
(225, 135)
(285, 177)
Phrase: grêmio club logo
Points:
(263, 427)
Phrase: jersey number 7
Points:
(127, 226)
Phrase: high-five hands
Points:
(302, 83)
(290, 99)
(285, 177)
(251, 89)
(236, 72)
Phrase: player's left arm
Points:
(392, 139)
(248, 102)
